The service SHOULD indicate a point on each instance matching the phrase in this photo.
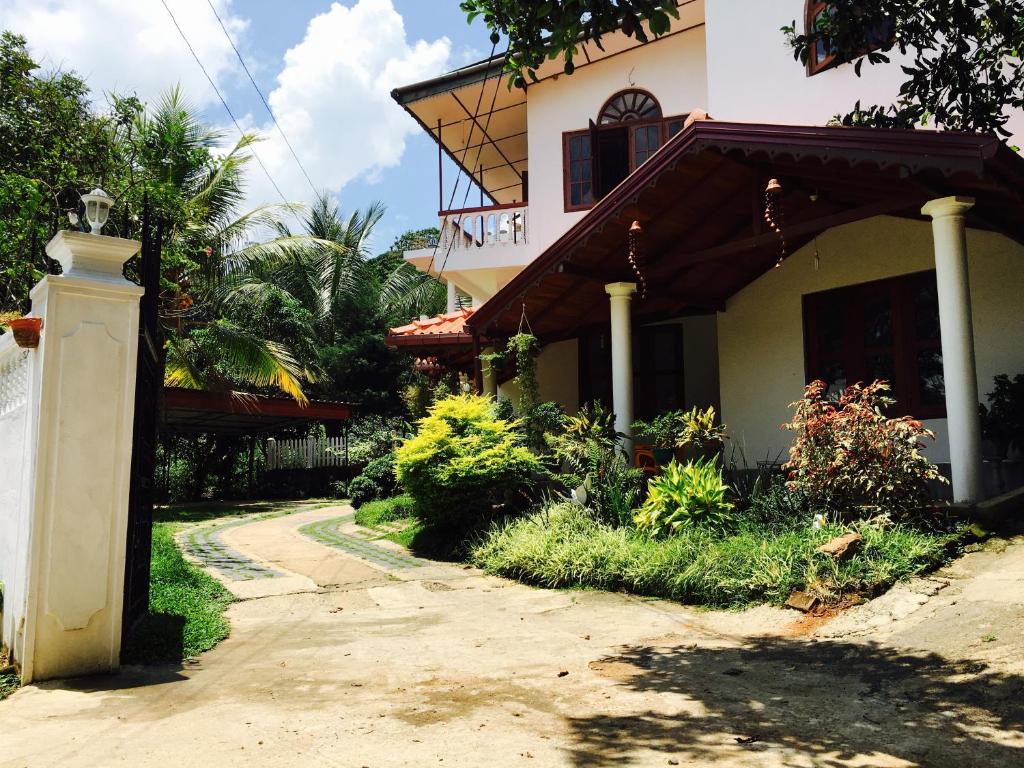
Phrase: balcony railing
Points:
(491, 226)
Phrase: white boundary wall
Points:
(66, 417)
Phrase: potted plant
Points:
(664, 433)
(26, 331)
(700, 433)
(675, 434)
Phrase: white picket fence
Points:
(306, 453)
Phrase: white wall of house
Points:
(760, 335)
(753, 77)
(558, 376)
(672, 69)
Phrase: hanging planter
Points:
(26, 331)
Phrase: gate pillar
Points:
(82, 449)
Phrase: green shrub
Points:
(691, 495)
(776, 504)
(377, 481)
(563, 546)
(589, 447)
(462, 462)
(849, 458)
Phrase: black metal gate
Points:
(148, 398)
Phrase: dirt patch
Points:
(822, 614)
(444, 700)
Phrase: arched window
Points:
(629, 105)
(630, 127)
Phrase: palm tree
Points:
(172, 157)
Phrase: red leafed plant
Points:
(849, 458)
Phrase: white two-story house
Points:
(679, 226)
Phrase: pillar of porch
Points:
(453, 297)
(490, 380)
(959, 371)
(621, 295)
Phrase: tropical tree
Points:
(52, 148)
(171, 162)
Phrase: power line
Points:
(222, 100)
(262, 98)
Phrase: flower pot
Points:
(26, 331)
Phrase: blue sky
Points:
(327, 69)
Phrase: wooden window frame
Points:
(812, 9)
(904, 346)
(631, 126)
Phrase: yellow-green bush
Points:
(462, 462)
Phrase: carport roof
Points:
(234, 413)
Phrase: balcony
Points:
(479, 249)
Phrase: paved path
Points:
(346, 657)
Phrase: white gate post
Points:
(82, 458)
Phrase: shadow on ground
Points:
(831, 703)
(200, 512)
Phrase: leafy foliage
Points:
(589, 448)
(462, 462)
(849, 458)
(691, 495)
(375, 482)
(547, 30)
(54, 148)
(681, 429)
(967, 58)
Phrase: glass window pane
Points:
(931, 384)
(880, 367)
(926, 313)
(878, 321)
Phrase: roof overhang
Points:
(700, 200)
(190, 411)
(480, 123)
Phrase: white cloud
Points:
(333, 99)
(128, 46)
(332, 95)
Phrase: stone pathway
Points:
(330, 533)
(204, 545)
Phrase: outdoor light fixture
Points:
(97, 209)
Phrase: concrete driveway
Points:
(351, 653)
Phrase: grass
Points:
(375, 513)
(563, 546)
(186, 607)
(9, 681)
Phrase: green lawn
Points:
(564, 547)
(186, 607)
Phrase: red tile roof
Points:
(446, 328)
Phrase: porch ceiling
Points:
(700, 200)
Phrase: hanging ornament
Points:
(635, 244)
(773, 215)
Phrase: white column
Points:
(453, 297)
(478, 302)
(490, 379)
(622, 356)
(957, 328)
(82, 455)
